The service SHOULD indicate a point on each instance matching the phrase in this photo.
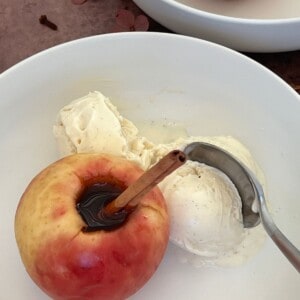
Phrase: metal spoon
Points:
(250, 191)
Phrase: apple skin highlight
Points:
(68, 263)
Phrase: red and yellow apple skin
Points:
(68, 263)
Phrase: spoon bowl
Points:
(250, 191)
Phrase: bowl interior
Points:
(248, 9)
(153, 77)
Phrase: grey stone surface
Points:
(21, 34)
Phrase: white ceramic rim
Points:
(168, 35)
(151, 34)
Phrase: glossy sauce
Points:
(91, 207)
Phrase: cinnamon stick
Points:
(130, 198)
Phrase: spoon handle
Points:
(286, 247)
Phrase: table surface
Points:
(22, 35)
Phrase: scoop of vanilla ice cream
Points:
(205, 207)
(93, 124)
(205, 210)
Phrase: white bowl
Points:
(209, 89)
(244, 34)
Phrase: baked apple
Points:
(69, 261)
